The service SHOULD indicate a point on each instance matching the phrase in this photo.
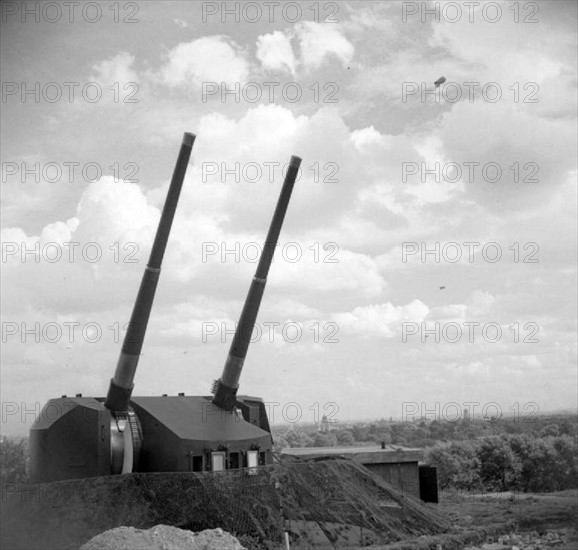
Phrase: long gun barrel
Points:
(227, 385)
(121, 384)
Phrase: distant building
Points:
(324, 425)
(466, 414)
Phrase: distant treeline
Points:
(420, 434)
(507, 463)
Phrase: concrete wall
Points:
(404, 476)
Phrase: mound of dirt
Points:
(162, 537)
(320, 504)
(338, 502)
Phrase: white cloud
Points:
(452, 312)
(433, 183)
(318, 42)
(112, 210)
(332, 173)
(207, 59)
(480, 303)
(59, 232)
(275, 52)
(82, 249)
(381, 319)
(116, 69)
(333, 270)
(370, 141)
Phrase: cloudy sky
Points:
(429, 251)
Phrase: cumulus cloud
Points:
(207, 59)
(114, 209)
(434, 183)
(381, 319)
(369, 141)
(59, 232)
(119, 68)
(332, 172)
(334, 270)
(275, 52)
(318, 42)
(89, 245)
(110, 210)
(480, 303)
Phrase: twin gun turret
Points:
(79, 437)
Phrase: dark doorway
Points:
(428, 484)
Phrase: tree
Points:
(13, 455)
(298, 439)
(565, 463)
(345, 437)
(324, 440)
(567, 427)
(499, 467)
(550, 429)
(360, 433)
(457, 465)
(446, 464)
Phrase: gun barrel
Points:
(227, 385)
(121, 384)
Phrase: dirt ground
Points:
(529, 511)
(502, 521)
